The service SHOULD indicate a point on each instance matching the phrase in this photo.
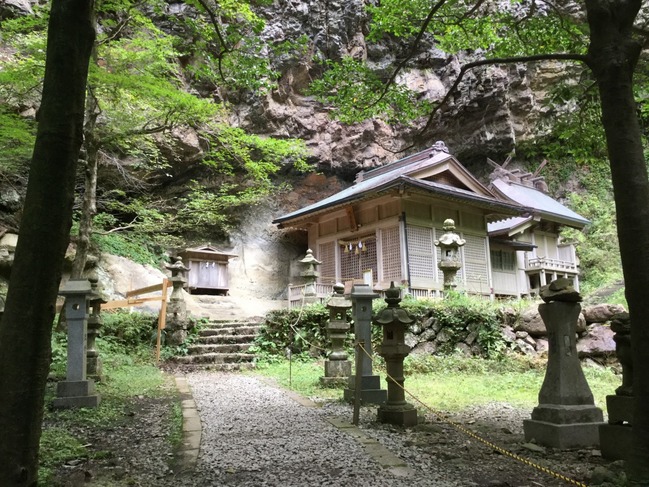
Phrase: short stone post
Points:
(177, 319)
(566, 416)
(310, 275)
(449, 244)
(615, 437)
(337, 368)
(371, 392)
(93, 360)
(76, 391)
(394, 350)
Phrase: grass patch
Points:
(451, 383)
(298, 375)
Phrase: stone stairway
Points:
(223, 346)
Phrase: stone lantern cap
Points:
(309, 259)
(393, 314)
(177, 266)
(338, 299)
(96, 296)
(450, 238)
(76, 287)
(560, 290)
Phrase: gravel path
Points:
(258, 435)
(254, 434)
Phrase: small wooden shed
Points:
(208, 270)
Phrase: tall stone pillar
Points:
(337, 368)
(77, 390)
(566, 416)
(394, 350)
(371, 392)
(615, 437)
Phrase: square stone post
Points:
(371, 392)
(566, 416)
(76, 391)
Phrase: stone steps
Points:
(202, 349)
(223, 346)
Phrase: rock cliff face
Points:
(495, 108)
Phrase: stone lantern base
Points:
(615, 437)
(336, 373)
(561, 426)
(402, 415)
(76, 394)
(371, 392)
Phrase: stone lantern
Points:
(77, 390)
(177, 320)
(310, 275)
(337, 367)
(394, 350)
(95, 321)
(449, 244)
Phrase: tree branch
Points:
(486, 62)
(411, 53)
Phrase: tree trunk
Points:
(25, 330)
(89, 202)
(613, 55)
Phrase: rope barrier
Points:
(445, 419)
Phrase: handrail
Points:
(133, 299)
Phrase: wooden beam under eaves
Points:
(352, 218)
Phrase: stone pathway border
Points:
(187, 455)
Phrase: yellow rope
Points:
(468, 432)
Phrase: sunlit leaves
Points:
(16, 141)
(353, 89)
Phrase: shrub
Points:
(129, 329)
(298, 330)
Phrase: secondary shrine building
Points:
(383, 229)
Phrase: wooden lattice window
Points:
(475, 259)
(421, 252)
(391, 253)
(357, 260)
(327, 255)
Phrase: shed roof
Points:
(540, 203)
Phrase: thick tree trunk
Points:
(613, 55)
(25, 330)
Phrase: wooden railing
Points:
(547, 264)
(133, 298)
(324, 291)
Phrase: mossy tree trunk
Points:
(25, 329)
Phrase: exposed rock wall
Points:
(495, 108)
